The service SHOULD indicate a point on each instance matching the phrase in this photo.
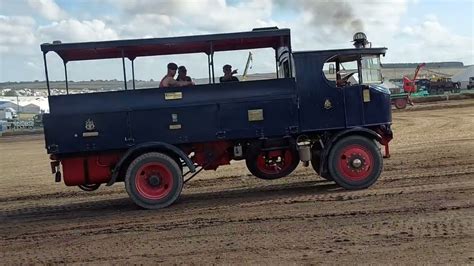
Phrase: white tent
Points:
(464, 76)
(31, 103)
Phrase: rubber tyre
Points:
(316, 163)
(457, 89)
(336, 157)
(440, 91)
(172, 171)
(401, 103)
(252, 164)
(89, 187)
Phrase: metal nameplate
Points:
(176, 126)
(173, 95)
(255, 115)
(366, 94)
(90, 134)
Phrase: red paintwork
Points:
(134, 51)
(274, 162)
(409, 85)
(213, 154)
(384, 141)
(401, 103)
(387, 136)
(346, 157)
(143, 186)
(99, 169)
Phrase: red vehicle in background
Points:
(409, 85)
(400, 100)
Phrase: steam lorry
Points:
(155, 140)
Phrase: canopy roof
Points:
(347, 55)
(257, 38)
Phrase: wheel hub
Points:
(154, 181)
(274, 163)
(357, 163)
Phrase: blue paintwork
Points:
(291, 106)
(348, 108)
(145, 115)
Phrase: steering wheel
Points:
(345, 80)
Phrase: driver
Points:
(344, 81)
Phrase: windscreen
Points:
(371, 70)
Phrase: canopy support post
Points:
(276, 63)
(209, 66)
(290, 55)
(212, 66)
(124, 71)
(133, 73)
(65, 77)
(46, 72)
(212, 63)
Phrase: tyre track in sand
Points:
(420, 210)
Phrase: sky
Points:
(412, 30)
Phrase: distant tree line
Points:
(10, 93)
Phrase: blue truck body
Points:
(301, 101)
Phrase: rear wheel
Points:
(355, 162)
(440, 91)
(401, 103)
(154, 180)
(89, 187)
(272, 164)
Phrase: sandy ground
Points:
(420, 211)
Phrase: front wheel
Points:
(355, 162)
(272, 164)
(154, 180)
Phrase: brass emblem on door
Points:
(327, 104)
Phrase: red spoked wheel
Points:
(355, 162)
(154, 180)
(272, 164)
(401, 103)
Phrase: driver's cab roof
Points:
(345, 55)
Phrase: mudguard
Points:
(150, 146)
(333, 139)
